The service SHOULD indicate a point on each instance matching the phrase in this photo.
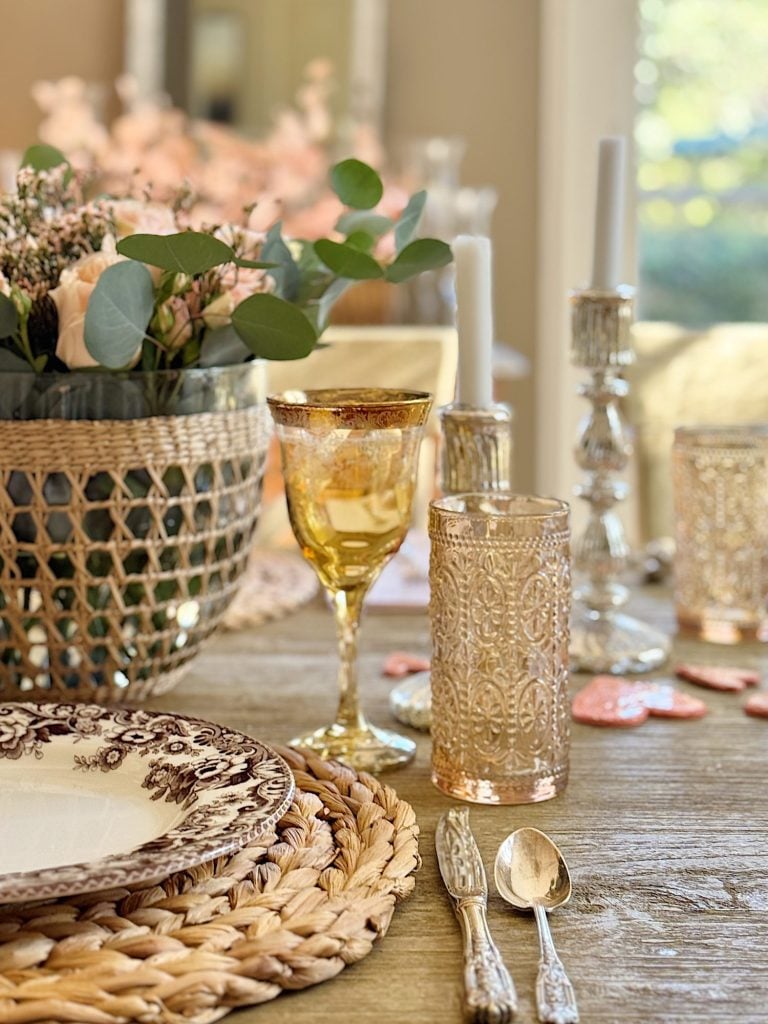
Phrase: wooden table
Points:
(665, 829)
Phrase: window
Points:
(702, 144)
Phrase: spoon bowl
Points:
(531, 870)
(531, 874)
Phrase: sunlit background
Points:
(702, 174)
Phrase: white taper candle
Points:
(474, 320)
(609, 214)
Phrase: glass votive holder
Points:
(720, 489)
(500, 607)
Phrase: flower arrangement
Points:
(122, 284)
(153, 145)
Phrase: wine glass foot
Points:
(366, 749)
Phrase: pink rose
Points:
(71, 297)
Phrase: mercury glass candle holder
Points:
(603, 637)
(476, 456)
(720, 487)
(500, 605)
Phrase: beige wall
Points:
(470, 68)
(454, 68)
(50, 39)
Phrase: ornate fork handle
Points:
(490, 992)
(555, 998)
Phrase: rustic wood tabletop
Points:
(664, 827)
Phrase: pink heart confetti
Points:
(612, 700)
(607, 700)
(400, 664)
(757, 704)
(718, 677)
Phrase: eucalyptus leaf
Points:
(9, 317)
(406, 226)
(187, 252)
(415, 258)
(333, 292)
(118, 312)
(273, 328)
(315, 276)
(42, 157)
(361, 241)
(356, 184)
(345, 261)
(253, 264)
(286, 274)
(11, 361)
(222, 347)
(363, 220)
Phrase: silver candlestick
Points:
(603, 638)
(476, 456)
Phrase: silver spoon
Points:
(531, 874)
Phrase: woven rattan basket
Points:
(122, 542)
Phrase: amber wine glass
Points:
(349, 463)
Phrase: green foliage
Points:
(9, 361)
(374, 224)
(415, 258)
(347, 261)
(118, 313)
(9, 317)
(286, 274)
(41, 157)
(406, 226)
(127, 315)
(331, 295)
(223, 347)
(188, 252)
(273, 328)
(356, 184)
(361, 241)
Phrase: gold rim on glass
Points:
(351, 407)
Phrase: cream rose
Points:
(219, 312)
(71, 297)
(135, 217)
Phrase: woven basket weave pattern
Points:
(121, 544)
(287, 913)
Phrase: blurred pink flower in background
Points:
(153, 149)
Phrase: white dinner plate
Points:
(95, 798)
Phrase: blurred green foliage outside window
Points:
(701, 83)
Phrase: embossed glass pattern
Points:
(720, 485)
(500, 605)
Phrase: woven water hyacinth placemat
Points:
(274, 584)
(287, 913)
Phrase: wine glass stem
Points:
(347, 606)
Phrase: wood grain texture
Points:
(664, 827)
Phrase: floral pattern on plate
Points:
(228, 787)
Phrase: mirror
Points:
(241, 62)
